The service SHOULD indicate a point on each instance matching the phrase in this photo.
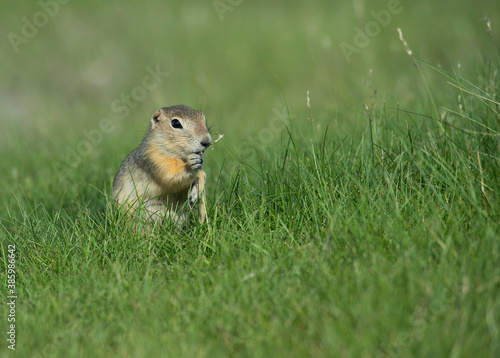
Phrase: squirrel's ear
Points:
(155, 119)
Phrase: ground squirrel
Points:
(163, 174)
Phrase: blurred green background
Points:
(351, 236)
(225, 58)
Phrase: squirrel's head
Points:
(179, 131)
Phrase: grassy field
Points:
(354, 201)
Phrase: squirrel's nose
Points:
(206, 142)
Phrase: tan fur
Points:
(163, 174)
(173, 173)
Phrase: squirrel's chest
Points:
(172, 174)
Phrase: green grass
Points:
(366, 225)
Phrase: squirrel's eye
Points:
(176, 124)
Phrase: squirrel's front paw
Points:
(195, 161)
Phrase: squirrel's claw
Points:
(195, 161)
